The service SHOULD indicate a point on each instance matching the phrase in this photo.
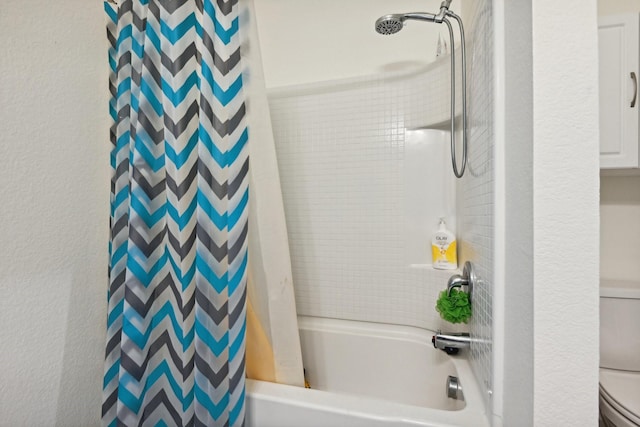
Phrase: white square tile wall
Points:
(476, 189)
(341, 150)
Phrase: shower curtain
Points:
(273, 343)
(178, 252)
(180, 218)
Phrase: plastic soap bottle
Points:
(443, 248)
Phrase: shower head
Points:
(391, 24)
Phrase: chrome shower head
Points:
(391, 24)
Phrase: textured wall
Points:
(55, 191)
(565, 201)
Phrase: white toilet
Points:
(619, 353)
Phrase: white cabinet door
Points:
(619, 65)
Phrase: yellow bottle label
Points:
(445, 256)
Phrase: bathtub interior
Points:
(366, 374)
(387, 362)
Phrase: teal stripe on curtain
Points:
(175, 353)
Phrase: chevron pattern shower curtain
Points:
(175, 351)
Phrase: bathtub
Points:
(368, 375)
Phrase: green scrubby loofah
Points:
(455, 308)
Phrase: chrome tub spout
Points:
(451, 343)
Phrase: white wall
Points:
(549, 188)
(619, 200)
(54, 208)
(565, 212)
(311, 41)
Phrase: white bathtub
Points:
(368, 375)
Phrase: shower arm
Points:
(454, 162)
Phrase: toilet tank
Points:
(620, 325)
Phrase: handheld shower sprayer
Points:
(391, 24)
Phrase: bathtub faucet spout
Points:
(451, 343)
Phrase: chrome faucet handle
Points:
(468, 278)
(456, 281)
